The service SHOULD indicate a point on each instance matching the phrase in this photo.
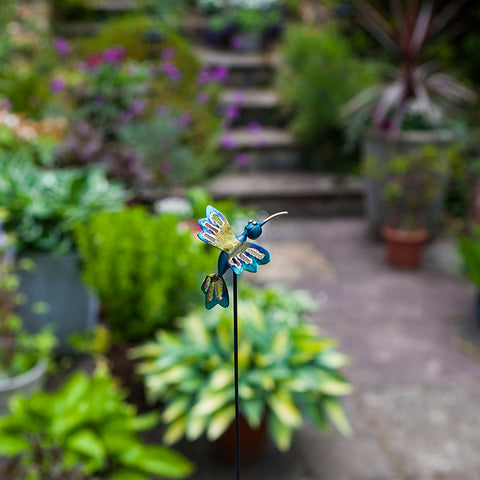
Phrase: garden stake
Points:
(238, 254)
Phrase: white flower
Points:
(175, 205)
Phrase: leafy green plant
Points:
(19, 350)
(469, 248)
(43, 205)
(85, 430)
(313, 84)
(145, 269)
(411, 183)
(286, 370)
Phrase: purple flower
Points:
(232, 112)
(114, 54)
(204, 77)
(254, 127)
(236, 42)
(168, 53)
(242, 159)
(61, 46)
(172, 72)
(186, 120)
(162, 111)
(228, 143)
(137, 107)
(202, 98)
(220, 74)
(57, 84)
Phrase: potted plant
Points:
(23, 357)
(83, 431)
(469, 248)
(43, 206)
(413, 106)
(412, 182)
(287, 371)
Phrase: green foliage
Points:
(411, 183)
(85, 430)
(136, 44)
(145, 269)
(319, 75)
(287, 370)
(469, 247)
(44, 205)
(164, 146)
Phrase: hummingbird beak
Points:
(272, 217)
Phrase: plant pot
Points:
(56, 280)
(25, 383)
(383, 147)
(404, 248)
(252, 442)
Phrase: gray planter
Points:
(23, 384)
(383, 147)
(56, 280)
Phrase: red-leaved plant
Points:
(415, 89)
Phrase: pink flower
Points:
(186, 120)
(220, 74)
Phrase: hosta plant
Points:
(287, 370)
(83, 431)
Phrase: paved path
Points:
(416, 361)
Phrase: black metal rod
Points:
(235, 356)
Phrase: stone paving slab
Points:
(432, 430)
(334, 457)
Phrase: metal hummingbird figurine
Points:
(236, 252)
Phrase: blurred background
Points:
(121, 120)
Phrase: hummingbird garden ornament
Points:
(236, 253)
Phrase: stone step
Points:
(301, 193)
(253, 105)
(246, 70)
(259, 149)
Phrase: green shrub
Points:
(286, 369)
(319, 76)
(83, 431)
(43, 205)
(145, 269)
(469, 248)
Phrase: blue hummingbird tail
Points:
(215, 290)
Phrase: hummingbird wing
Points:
(217, 231)
(247, 256)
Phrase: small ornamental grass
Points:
(286, 369)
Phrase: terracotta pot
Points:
(252, 442)
(404, 248)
